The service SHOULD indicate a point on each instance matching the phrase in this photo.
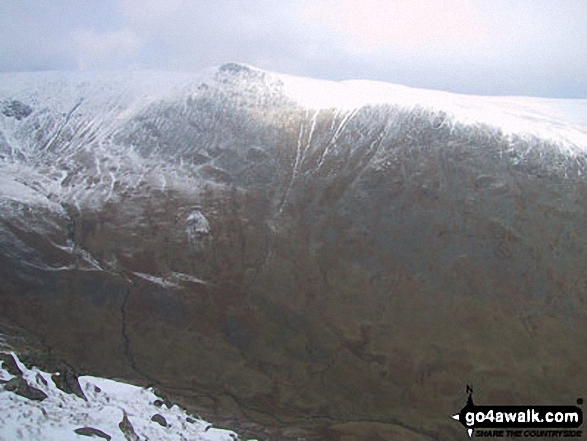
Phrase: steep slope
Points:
(340, 256)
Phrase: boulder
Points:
(20, 387)
(92, 432)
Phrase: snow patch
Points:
(198, 231)
(559, 120)
(182, 277)
(12, 190)
(156, 280)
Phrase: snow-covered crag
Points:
(338, 257)
(35, 408)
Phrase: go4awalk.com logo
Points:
(520, 421)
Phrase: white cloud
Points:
(472, 46)
(105, 50)
(402, 26)
(196, 34)
(146, 15)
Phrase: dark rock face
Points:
(159, 419)
(10, 365)
(19, 386)
(127, 429)
(348, 272)
(92, 432)
(15, 109)
(67, 381)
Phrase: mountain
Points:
(340, 258)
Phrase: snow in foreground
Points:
(113, 410)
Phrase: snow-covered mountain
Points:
(146, 127)
(342, 257)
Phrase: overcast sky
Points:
(496, 47)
